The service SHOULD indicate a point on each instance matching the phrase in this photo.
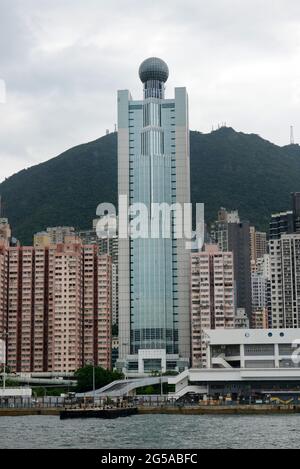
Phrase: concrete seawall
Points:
(200, 410)
(223, 410)
(25, 412)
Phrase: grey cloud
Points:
(63, 62)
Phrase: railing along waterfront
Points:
(146, 401)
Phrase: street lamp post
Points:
(4, 336)
(4, 377)
(92, 363)
(124, 370)
(94, 382)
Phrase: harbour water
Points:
(152, 432)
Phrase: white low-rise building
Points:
(245, 362)
(15, 392)
(250, 348)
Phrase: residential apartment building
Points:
(219, 230)
(234, 236)
(285, 281)
(104, 319)
(5, 231)
(3, 288)
(41, 310)
(58, 234)
(259, 285)
(5, 237)
(241, 320)
(260, 319)
(258, 246)
(212, 297)
(286, 222)
(284, 245)
(58, 306)
(107, 244)
(14, 310)
(239, 245)
(65, 307)
(281, 223)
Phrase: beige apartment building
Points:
(212, 297)
(104, 320)
(41, 310)
(97, 280)
(259, 319)
(3, 288)
(65, 307)
(5, 235)
(58, 309)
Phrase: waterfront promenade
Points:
(197, 409)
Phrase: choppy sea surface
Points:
(152, 432)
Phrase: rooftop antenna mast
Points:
(292, 140)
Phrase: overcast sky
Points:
(63, 60)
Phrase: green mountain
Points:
(228, 168)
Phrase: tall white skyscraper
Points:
(154, 167)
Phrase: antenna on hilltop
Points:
(292, 140)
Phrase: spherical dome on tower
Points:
(153, 69)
